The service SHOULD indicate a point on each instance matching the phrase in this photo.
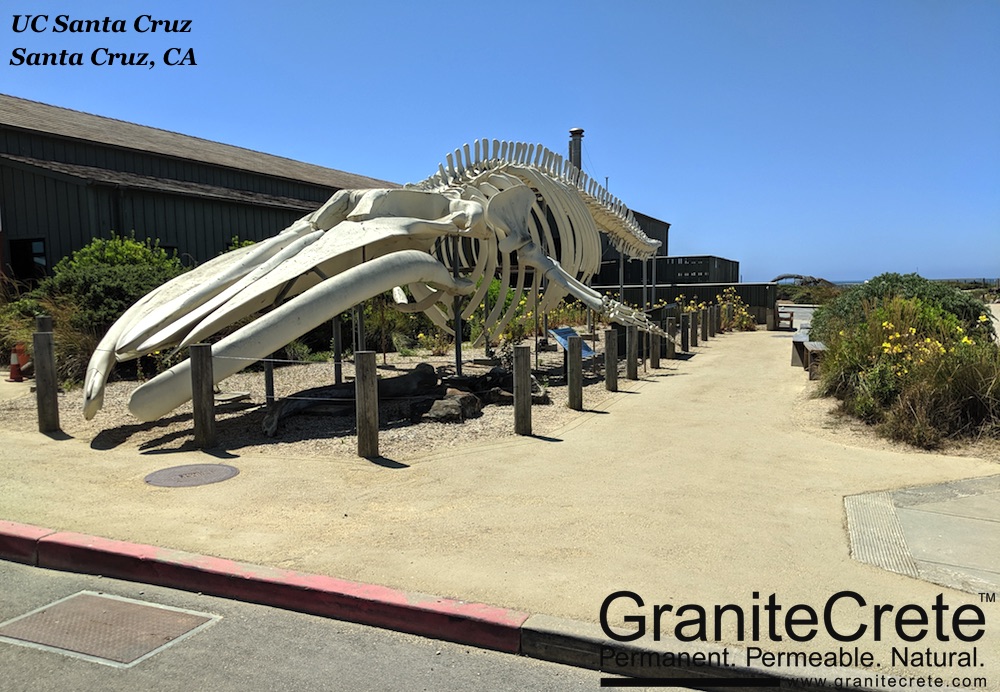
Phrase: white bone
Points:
(350, 243)
(170, 389)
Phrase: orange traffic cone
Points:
(15, 368)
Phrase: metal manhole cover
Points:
(106, 629)
(191, 475)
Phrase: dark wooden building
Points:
(698, 269)
(609, 272)
(67, 177)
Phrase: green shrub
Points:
(104, 278)
(914, 368)
(740, 319)
(17, 321)
(808, 295)
(103, 293)
(118, 251)
(235, 243)
(849, 307)
(86, 293)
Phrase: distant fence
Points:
(759, 297)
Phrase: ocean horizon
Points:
(972, 280)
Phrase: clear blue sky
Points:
(834, 138)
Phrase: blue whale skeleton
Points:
(521, 212)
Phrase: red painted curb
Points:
(18, 541)
(440, 618)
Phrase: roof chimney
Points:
(576, 147)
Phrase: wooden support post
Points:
(672, 341)
(685, 331)
(46, 378)
(631, 353)
(535, 310)
(712, 321)
(729, 316)
(522, 390)
(694, 329)
(703, 321)
(338, 351)
(654, 352)
(593, 347)
(366, 403)
(202, 395)
(718, 318)
(611, 360)
(360, 342)
(269, 381)
(456, 307)
(574, 377)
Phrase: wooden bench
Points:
(814, 351)
(783, 317)
(799, 349)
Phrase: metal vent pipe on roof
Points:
(576, 147)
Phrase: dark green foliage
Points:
(107, 276)
(916, 359)
(808, 295)
(849, 307)
(103, 293)
(118, 251)
(86, 293)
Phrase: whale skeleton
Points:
(519, 212)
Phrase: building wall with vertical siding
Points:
(67, 177)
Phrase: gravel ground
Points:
(307, 435)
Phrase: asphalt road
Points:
(259, 648)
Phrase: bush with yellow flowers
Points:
(741, 319)
(919, 371)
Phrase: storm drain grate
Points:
(876, 535)
(191, 475)
(106, 629)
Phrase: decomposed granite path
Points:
(715, 480)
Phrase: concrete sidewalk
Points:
(715, 481)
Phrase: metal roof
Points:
(40, 117)
(104, 176)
